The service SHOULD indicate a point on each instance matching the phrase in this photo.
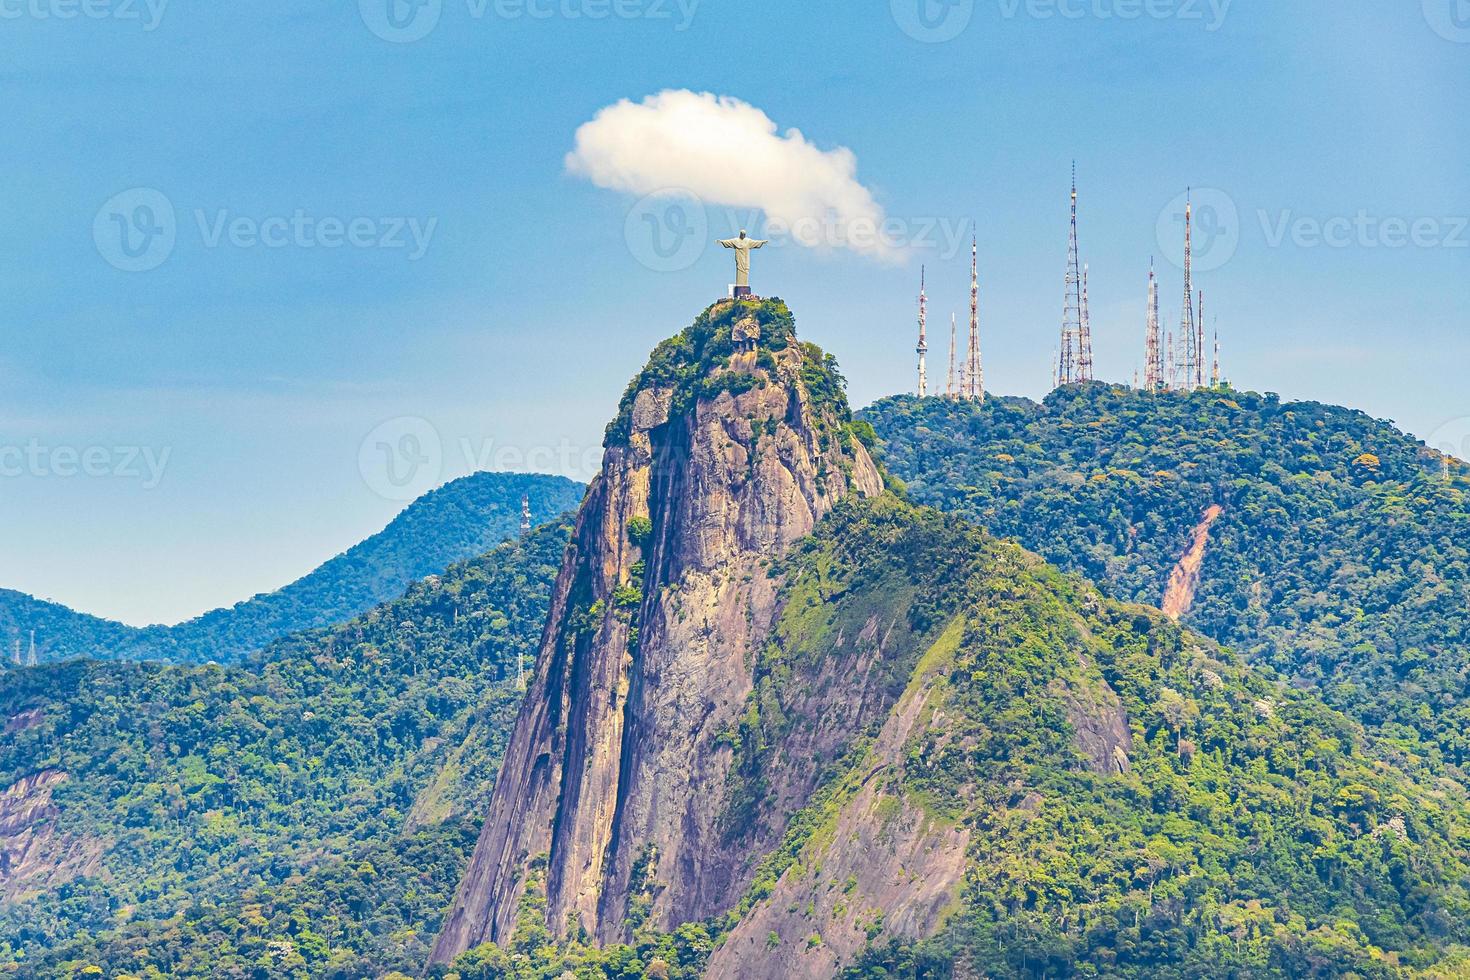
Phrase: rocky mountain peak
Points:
(730, 445)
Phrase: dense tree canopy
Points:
(1251, 831)
(1341, 557)
(308, 814)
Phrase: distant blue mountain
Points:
(458, 521)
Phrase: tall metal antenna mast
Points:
(1084, 345)
(974, 370)
(1172, 382)
(1072, 307)
(525, 514)
(1215, 372)
(1153, 369)
(950, 391)
(1188, 326)
(923, 349)
(1199, 327)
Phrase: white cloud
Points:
(730, 154)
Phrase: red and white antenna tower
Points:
(951, 390)
(974, 369)
(1153, 363)
(1189, 336)
(1199, 345)
(1072, 307)
(1084, 345)
(923, 349)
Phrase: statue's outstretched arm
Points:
(728, 242)
(755, 244)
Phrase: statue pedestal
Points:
(737, 297)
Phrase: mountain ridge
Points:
(461, 519)
(783, 722)
(894, 739)
(1341, 557)
(300, 816)
(729, 446)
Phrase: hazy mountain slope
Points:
(1341, 556)
(60, 632)
(786, 725)
(236, 819)
(457, 521)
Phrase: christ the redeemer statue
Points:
(742, 247)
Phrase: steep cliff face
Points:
(833, 731)
(616, 789)
(33, 855)
(1048, 783)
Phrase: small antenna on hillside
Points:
(951, 389)
(31, 660)
(525, 514)
(923, 349)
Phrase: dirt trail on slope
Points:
(1179, 596)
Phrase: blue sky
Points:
(179, 437)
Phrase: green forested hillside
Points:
(1136, 802)
(305, 815)
(1251, 831)
(457, 521)
(1341, 557)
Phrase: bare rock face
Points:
(616, 776)
(33, 856)
(1099, 723)
(885, 865)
